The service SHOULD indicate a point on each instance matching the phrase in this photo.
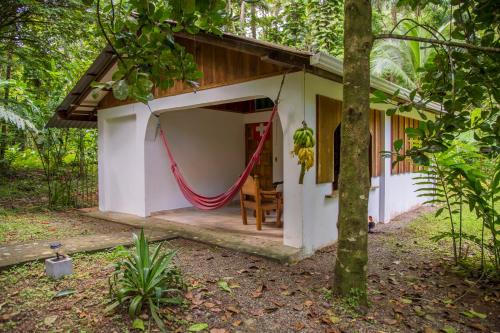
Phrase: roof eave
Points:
(336, 66)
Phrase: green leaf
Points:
(223, 285)
(398, 144)
(473, 314)
(197, 327)
(449, 329)
(138, 324)
(378, 97)
(64, 292)
(120, 90)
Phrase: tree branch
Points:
(438, 41)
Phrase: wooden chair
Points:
(262, 202)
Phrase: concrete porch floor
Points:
(227, 219)
(221, 228)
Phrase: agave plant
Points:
(144, 280)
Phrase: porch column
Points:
(385, 171)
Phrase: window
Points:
(336, 157)
(328, 117)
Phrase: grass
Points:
(428, 226)
(16, 228)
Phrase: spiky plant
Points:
(145, 280)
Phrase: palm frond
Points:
(13, 118)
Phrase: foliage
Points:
(463, 79)
(44, 48)
(400, 61)
(69, 161)
(314, 25)
(136, 30)
(326, 25)
(145, 280)
(462, 180)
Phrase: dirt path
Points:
(411, 290)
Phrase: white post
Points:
(385, 171)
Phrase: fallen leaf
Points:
(449, 329)
(335, 319)
(298, 326)
(236, 323)
(64, 292)
(390, 321)
(473, 314)
(50, 320)
(197, 327)
(428, 329)
(138, 324)
(308, 303)
(477, 326)
(218, 330)
(278, 303)
(9, 316)
(232, 309)
(257, 312)
(270, 309)
(223, 285)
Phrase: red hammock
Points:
(218, 201)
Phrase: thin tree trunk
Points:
(253, 23)
(242, 18)
(354, 180)
(394, 13)
(8, 76)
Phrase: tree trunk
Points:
(242, 18)
(394, 13)
(4, 129)
(354, 179)
(253, 23)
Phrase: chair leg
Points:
(279, 212)
(243, 210)
(264, 216)
(278, 218)
(244, 215)
(258, 217)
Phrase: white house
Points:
(211, 132)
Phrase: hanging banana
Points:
(303, 148)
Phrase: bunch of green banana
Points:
(303, 140)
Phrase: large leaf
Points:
(16, 120)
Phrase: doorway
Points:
(264, 167)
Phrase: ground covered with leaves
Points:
(48, 225)
(412, 284)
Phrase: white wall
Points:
(401, 194)
(119, 174)
(209, 148)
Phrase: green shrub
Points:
(143, 280)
